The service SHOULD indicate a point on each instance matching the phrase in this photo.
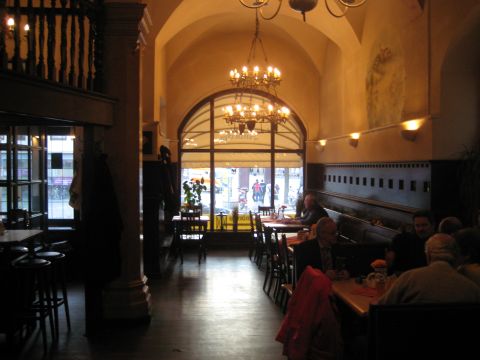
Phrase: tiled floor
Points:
(216, 310)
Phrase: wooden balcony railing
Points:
(60, 41)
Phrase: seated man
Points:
(318, 252)
(438, 282)
(408, 250)
(312, 212)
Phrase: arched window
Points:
(246, 170)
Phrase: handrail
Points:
(79, 44)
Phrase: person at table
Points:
(468, 241)
(450, 225)
(318, 252)
(408, 250)
(438, 282)
(312, 212)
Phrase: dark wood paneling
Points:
(445, 190)
(390, 192)
(315, 176)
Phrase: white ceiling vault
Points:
(182, 23)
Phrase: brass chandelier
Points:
(337, 8)
(247, 112)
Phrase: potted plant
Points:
(193, 192)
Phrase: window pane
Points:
(3, 199)
(21, 135)
(243, 180)
(37, 164)
(192, 171)
(3, 135)
(196, 134)
(22, 197)
(3, 165)
(288, 180)
(36, 198)
(22, 164)
(289, 136)
(60, 179)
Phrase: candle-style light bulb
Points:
(10, 24)
(26, 28)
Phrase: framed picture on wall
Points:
(147, 143)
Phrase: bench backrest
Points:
(423, 331)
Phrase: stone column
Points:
(127, 297)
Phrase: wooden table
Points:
(14, 237)
(344, 291)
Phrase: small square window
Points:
(426, 186)
(413, 185)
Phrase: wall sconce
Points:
(410, 129)
(320, 146)
(354, 139)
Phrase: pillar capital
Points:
(123, 18)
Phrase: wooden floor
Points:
(216, 310)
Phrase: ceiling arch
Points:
(202, 15)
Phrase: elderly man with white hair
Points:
(438, 282)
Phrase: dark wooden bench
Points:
(423, 331)
(355, 230)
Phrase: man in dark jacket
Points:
(318, 252)
(311, 213)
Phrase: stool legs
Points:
(58, 281)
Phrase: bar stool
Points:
(58, 279)
(31, 300)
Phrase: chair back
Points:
(266, 210)
(190, 215)
(423, 331)
(18, 219)
(192, 228)
(286, 258)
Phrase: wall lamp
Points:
(353, 141)
(410, 129)
(320, 144)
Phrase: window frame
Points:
(210, 100)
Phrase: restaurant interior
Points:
(154, 152)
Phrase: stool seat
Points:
(30, 263)
(19, 249)
(50, 255)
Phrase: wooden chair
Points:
(266, 210)
(273, 267)
(18, 219)
(260, 247)
(192, 229)
(286, 278)
(253, 238)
